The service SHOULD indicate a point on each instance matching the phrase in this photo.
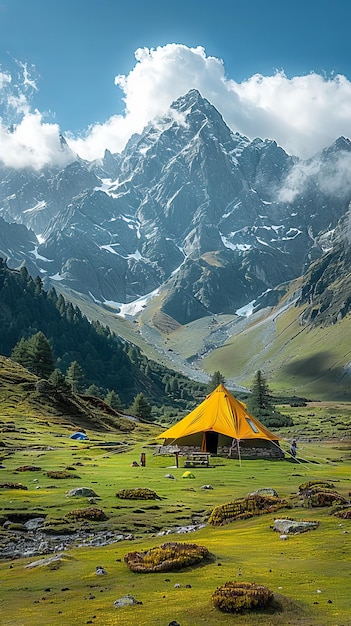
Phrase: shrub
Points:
(320, 493)
(344, 513)
(315, 485)
(234, 597)
(92, 513)
(166, 557)
(137, 494)
(28, 468)
(60, 474)
(245, 507)
(10, 485)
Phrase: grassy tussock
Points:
(167, 557)
(235, 597)
(245, 508)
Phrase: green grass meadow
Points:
(310, 573)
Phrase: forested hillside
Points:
(107, 362)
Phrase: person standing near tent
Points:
(293, 448)
(233, 448)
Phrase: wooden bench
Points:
(197, 459)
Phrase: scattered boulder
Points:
(289, 526)
(125, 601)
(235, 597)
(100, 571)
(81, 492)
(206, 487)
(35, 523)
(265, 491)
(169, 476)
(57, 560)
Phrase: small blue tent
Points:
(80, 436)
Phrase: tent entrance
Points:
(209, 442)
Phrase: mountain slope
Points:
(21, 393)
(298, 359)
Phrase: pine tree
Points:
(58, 381)
(261, 404)
(35, 354)
(216, 379)
(113, 400)
(41, 354)
(261, 397)
(20, 353)
(94, 390)
(74, 376)
(141, 407)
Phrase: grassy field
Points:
(309, 573)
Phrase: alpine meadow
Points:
(175, 381)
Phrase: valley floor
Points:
(308, 573)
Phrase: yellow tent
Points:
(216, 422)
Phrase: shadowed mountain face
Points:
(191, 210)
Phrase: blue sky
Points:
(59, 61)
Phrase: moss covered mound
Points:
(11, 485)
(28, 468)
(167, 557)
(234, 597)
(91, 513)
(344, 513)
(60, 474)
(138, 494)
(244, 508)
(315, 485)
(319, 493)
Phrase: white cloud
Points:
(331, 177)
(26, 140)
(303, 114)
(32, 143)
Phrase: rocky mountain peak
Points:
(189, 209)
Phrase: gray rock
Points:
(206, 487)
(125, 601)
(57, 558)
(35, 523)
(169, 476)
(265, 491)
(81, 492)
(289, 527)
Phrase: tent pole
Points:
(239, 455)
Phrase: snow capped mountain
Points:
(191, 210)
